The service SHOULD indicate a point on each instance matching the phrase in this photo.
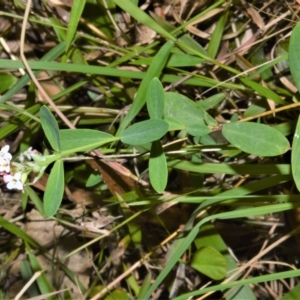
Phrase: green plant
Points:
(164, 130)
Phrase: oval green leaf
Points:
(158, 169)
(210, 262)
(144, 132)
(187, 112)
(296, 156)
(257, 139)
(54, 189)
(81, 140)
(155, 99)
(50, 128)
(294, 50)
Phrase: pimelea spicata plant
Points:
(242, 125)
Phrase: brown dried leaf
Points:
(257, 19)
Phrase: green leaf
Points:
(142, 17)
(81, 140)
(54, 189)
(174, 124)
(217, 35)
(58, 28)
(292, 294)
(209, 237)
(257, 139)
(210, 262)
(106, 71)
(145, 286)
(265, 92)
(144, 132)
(93, 180)
(154, 70)
(50, 128)
(76, 11)
(26, 273)
(7, 81)
(175, 60)
(119, 294)
(155, 99)
(42, 280)
(15, 230)
(36, 200)
(185, 242)
(211, 101)
(187, 112)
(158, 169)
(294, 50)
(296, 155)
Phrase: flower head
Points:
(4, 165)
(28, 154)
(14, 181)
(4, 154)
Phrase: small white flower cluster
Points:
(12, 180)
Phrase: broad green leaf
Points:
(187, 112)
(253, 110)
(256, 139)
(197, 130)
(294, 50)
(82, 140)
(296, 155)
(7, 81)
(158, 170)
(209, 237)
(174, 124)
(144, 132)
(54, 189)
(93, 180)
(76, 11)
(154, 70)
(50, 128)
(155, 99)
(211, 101)
(210, 262)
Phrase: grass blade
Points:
(154, 71)
(76, 11)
